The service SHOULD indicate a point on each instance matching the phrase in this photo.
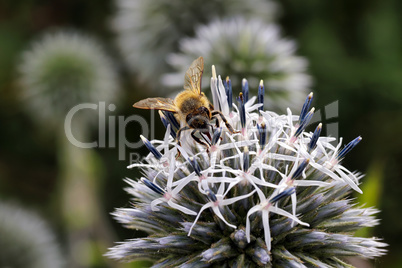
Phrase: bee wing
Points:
(164, 104)
(192, 78)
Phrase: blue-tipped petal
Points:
(151, 148)
(216, 136)
(163, 118)
(211, 195)
(314, 138)
(246, 159)
(260, 96)
(229, 92)
(341, 154)
(304, 123)
(166, 123)
(172, 119)
(300, 169)
(262, 130)
(306, 107)
(285, 193)
(195, 166)
(153, 186)
(245, 90)
(242, 110)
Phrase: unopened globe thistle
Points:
(26, 240)
(251, 49)
(64, 76)
(268, 195)
(147, 31)
(63, 69)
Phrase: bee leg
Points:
(178, 139)
(179, 133)
(212, 128)
(199, 140)
(216, 120)
(229, 127)
(216, 124)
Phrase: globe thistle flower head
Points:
(248, 48)
(26, 240)
(268, 195)
(147, 31)
(64, 69)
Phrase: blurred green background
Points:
(354, 49)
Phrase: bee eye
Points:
(189, 117)
(204, 109)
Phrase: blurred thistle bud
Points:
(26, 240)
(261, 197)
(147, 31)
(251, 48)
(64, 69)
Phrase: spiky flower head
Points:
(251, 49)
(26, 240)
(269, 195)
(147, 31)
(63, 69)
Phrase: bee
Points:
(191, 106)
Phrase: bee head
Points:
(199, 119)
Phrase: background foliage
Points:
(355, 54)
